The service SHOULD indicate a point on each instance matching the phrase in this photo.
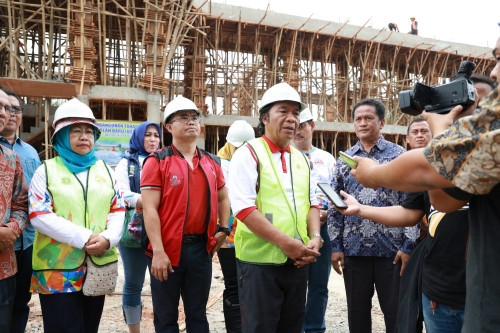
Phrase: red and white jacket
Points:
(174, 203)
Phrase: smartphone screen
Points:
(347, 159)
(336, 199)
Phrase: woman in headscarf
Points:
(76, 209)
(145, 139)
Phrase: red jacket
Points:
(174, 202)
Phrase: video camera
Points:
(440, 99)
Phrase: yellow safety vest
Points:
(272, 202)
(87, 209)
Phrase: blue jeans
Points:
(442, 319)
(317, 288)
(135, 263)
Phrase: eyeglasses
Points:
(311, 165)
(185, 119)
(6, 108)
(16, 109)
(78, 132)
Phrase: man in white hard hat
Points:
(14, 217)
(279, 235)
(238, 133)
(183, 191)
(322, 166)
(24, 243)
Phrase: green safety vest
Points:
(86, 209)
(272, 202)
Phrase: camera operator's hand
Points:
(441, 122)
(364, 172)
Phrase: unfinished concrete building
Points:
(128, 58)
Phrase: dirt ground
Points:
(112, 318)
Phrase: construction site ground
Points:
(112, 318)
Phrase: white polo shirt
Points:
(242, 180)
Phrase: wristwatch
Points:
(225, 230)
(317, 235)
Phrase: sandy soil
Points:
(112, 319)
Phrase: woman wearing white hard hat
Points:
(77, 211)
(239, 133)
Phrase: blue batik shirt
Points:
(357, 236)
(30, 161)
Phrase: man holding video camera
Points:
(369, 253)
(462, 160)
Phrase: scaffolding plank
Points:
(39, 88)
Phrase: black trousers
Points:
(7, 293)
(21, 310)
(272, 298)
(231, 302)
(361, 274)
(190, 280)
(71, 312)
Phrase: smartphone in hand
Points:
(348, 159)
(336, 199)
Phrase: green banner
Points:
(114, 142)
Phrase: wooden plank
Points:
(39, 88)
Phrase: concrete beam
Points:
(276, 20)
(124, 94)
(213, 120)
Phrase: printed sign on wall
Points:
(114, 141)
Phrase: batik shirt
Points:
(357, 236)
(13, 205)
(30, 161)
(468, 154)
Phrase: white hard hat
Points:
(239, 133)
(281, 92)
(73, 112)
(305, 115)
(73, 109)
(179, 104)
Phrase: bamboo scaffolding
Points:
(224, 64)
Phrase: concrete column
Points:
(155, 113)
(84, 98)
(200, 142)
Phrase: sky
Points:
(468, 22)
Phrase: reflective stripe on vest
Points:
(272, 202)
(88, 210)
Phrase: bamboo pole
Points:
(10, 17)
(46, 126)
(51, 38)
